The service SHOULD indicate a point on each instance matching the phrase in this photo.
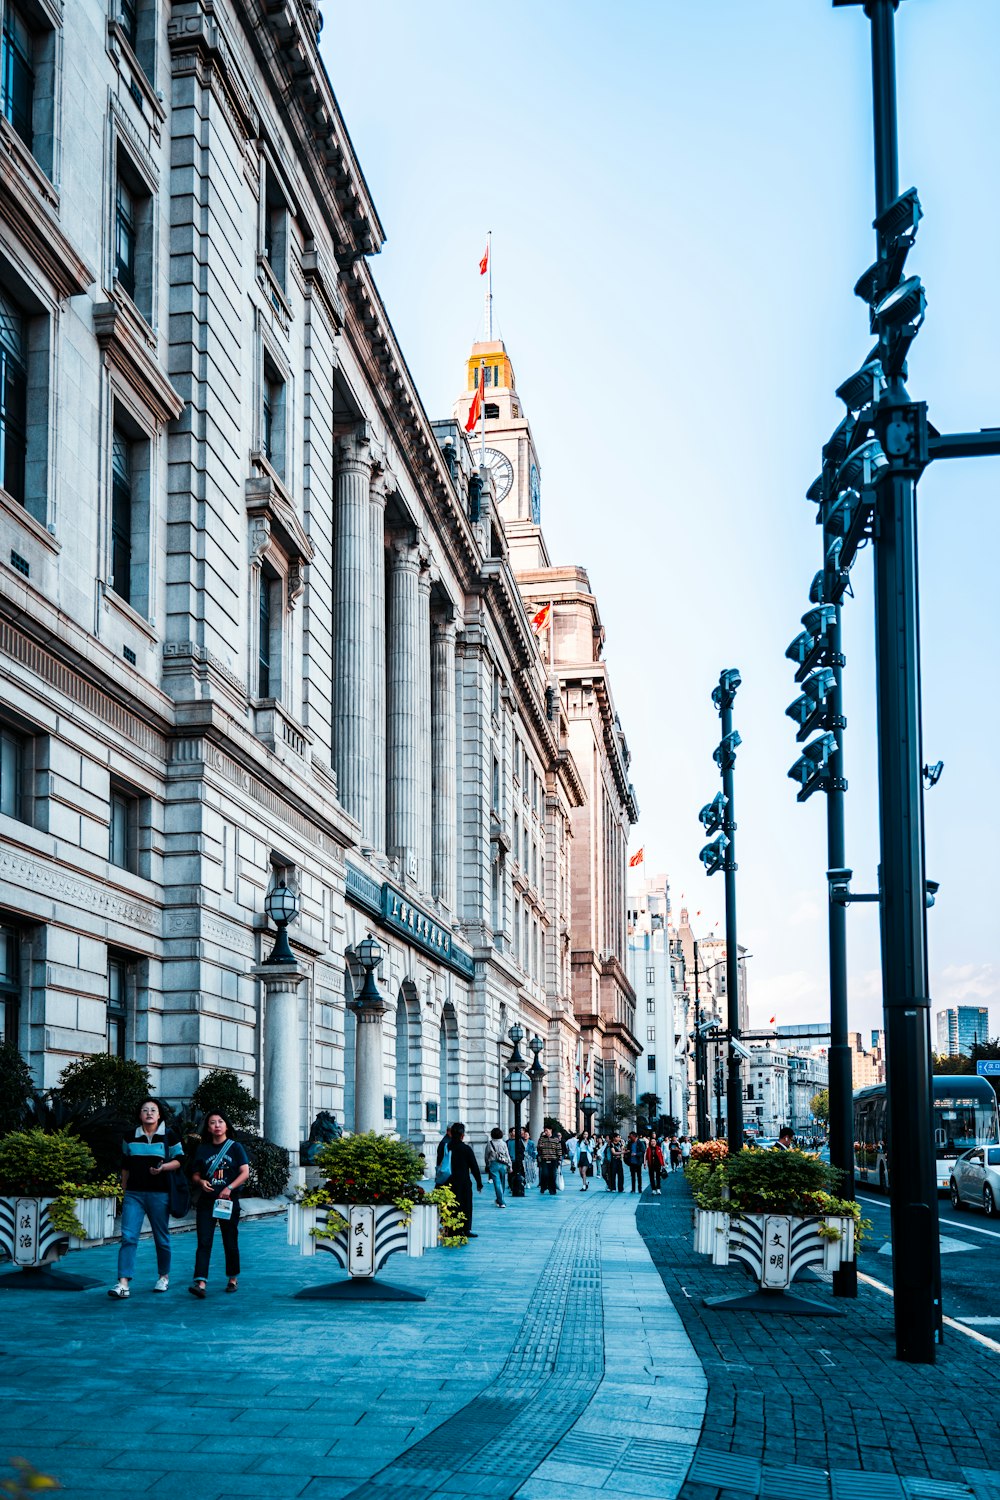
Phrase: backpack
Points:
(443, 1174)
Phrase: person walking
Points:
(786, 1139)
(549, 1153)
(573, 1152)
(530, 1158)
(634, 1153)
(685, 1145)
(221, 1170)
(676, 1154)
(585, 1161)
(498, 1163)
(464, 1168)
(152, 1153)
(654, 1162)
(616, 1156)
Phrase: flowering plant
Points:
(709, 1152)
(369, 1168)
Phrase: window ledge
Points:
(132, 615)
(30, 204)
(273, 291)
(268, 501)
(120, 48)
(17, 513)
(278, 730)
(129, 344)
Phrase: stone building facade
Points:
(656, 972)
(259, 617)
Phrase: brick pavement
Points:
(544, 1363)
(818, 1408)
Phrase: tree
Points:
(945, 1063)
(621, 1107)
(819, 1105)
(649, 1106)
(984, 1050)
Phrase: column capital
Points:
(444, 626)
(278, 978)
(354, 452)
(405, 554)
(383, 483)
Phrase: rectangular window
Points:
(650, 1033)
(650, 976)
(121, 516)
(123, 825)
(128, 17)
(125, 236)
(275, 236)
(13, 399)
(650, 1062)
(264, 628)
(272, 423)
(10, 983)
(11, 773)
(496, 786)
(118, 984)
(650, 1006)
(17, 74)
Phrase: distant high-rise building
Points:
(960, 1028)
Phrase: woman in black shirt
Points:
(220, 1170)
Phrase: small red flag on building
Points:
(637, 857)
(484, 262)
(477, 402)
(539, 621)
(772, 1020)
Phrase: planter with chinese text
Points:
(361, 1240)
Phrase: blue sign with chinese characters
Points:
(988, 1067)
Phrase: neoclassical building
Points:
(261, 619)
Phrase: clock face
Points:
(499, 466)
(536, 497)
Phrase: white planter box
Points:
(29, 1238)
(374, 1232)
(774, 1247)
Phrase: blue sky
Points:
(681, 198)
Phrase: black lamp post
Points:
(282, 906)
(536, 1073)
(517, 1087)
(589, 1106)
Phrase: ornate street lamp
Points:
(282, 906)
(369, 1008)
(369, 952)
(536, 1073)
(590, 1106)
(517, 1087)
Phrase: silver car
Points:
(975, 1178)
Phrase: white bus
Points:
(964, 1114)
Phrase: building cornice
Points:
(28, 207)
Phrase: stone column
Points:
(444, 760)
(404, 772)
(282, 1063)
(378, 746)
(369, 1085)
(352, 632)
(536, 1103)
(423, 666)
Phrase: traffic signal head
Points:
(713, 813)
(713, 856)
(724, 753)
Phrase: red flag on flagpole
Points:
(637, 857)
(485, 260)
(477, 401)
(772, 1020)
(539, 621)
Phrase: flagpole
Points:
(489, 285)
(482, 413)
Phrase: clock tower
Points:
(510, 452)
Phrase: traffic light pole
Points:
(913, 1178)
(841, 1076)
(734, 1079)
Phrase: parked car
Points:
(975, 1179)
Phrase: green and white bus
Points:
(964, 1114)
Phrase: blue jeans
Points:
(498, 1177)
(136, 1207)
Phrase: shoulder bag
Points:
(178, 1188)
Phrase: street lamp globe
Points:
(369, 952)
(282, 906)
(517, 1086)
(516, 1034)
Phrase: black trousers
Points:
(206, 1230)
(655, 1172)
(616, 1177)
(635, 1168)
(547, 1176)
(463, 1192)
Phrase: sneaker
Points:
(162, 1282)
(119, 1292)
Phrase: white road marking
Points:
(982, 1322)
(970, 1333)
(948, 1246)
(993, 1234)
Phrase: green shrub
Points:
(103, 1082)
(16, 1088)
(26, 1481)
(269, 1168)
(221, 1089)
(37, 1164)
(370, 1168)
(784, 1182)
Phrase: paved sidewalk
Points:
(546, 1361)
(819, 1408)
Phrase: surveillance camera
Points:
(932, 774)
(862, 467)
(739, 1049)
(840, 885)
(931, 887)
(864, 387)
